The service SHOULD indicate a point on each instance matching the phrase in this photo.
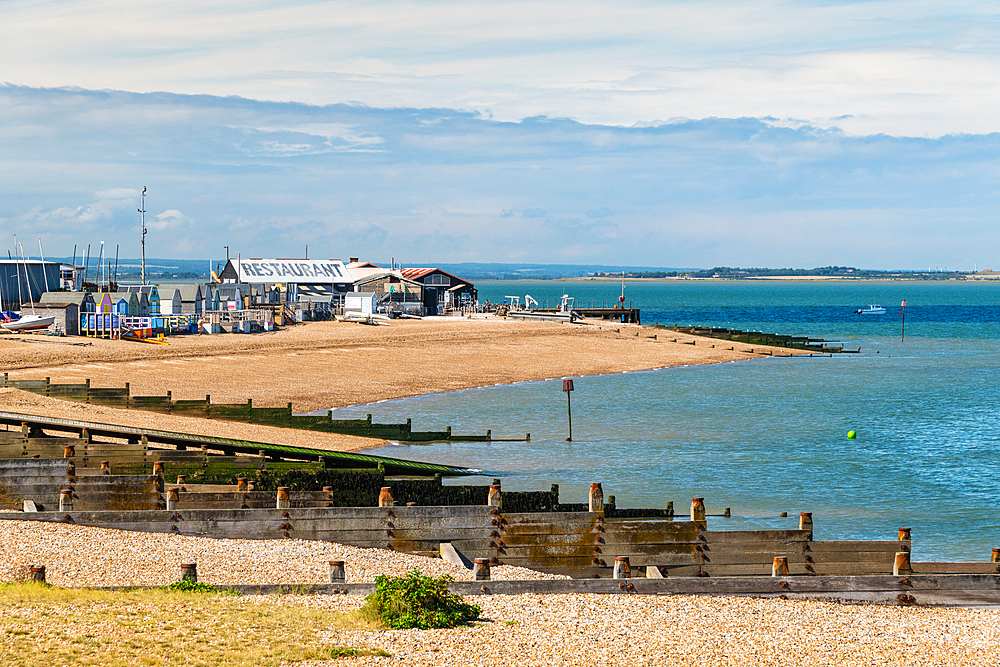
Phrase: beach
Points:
(574, 630)
(322, 365)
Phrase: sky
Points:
(751, 133)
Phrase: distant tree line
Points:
(737, 273)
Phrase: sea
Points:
(769, 435)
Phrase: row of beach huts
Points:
(247, 296)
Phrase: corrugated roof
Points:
(190, 292)
(415, 274)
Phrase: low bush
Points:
(417, 601)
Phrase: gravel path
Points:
(88, 556)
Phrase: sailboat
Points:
(34, 321)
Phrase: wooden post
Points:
(337, 571)
(180, 481)
(653, 572)
(105, 467)
(173, 498)
(901, 565)
(481, 569)
(670, 508)
(779, 566)
(622, 569)
(189, 572)
(568, 388)
(283, 502)
(596, 497)
(66, 500)
(385, 497)
(241, 485)
(904, 535)
(494, 498)
(38, 574)
(995, 558)
(69, 451)
(698, 510)
(806, 522)
(158, 468)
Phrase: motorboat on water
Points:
(29, 323)
(872, 309)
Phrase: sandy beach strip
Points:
(16, 400)
(321, 365)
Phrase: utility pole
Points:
(142, 210)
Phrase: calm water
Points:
(768, 435)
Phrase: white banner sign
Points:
(292, 271)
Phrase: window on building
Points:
(437, 279)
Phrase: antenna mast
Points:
(143, 212)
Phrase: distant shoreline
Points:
(681, 279)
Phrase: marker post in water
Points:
(902, 333)
(568, 388)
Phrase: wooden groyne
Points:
(121, 397)
(213, 458)
(760, 338)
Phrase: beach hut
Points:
(360, 303)
(170, 300)
(191, 299)
(120, 306)
(104, 302)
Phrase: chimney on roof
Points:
(354, 260)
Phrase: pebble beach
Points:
(519, 630)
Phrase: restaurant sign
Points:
(292, 271)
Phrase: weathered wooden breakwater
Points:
(121, 397)
(760, 338)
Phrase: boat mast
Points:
(20, 299)
(27, 280)
(41, 256)
(142, 210)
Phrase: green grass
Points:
(48, 625)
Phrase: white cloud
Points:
(909, 67)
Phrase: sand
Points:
(321, 365)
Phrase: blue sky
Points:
(667, 133)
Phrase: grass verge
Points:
(42, 624)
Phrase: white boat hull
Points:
(30, 323)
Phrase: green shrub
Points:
(188, 586)
(417, 601)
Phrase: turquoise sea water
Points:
(767, 435)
